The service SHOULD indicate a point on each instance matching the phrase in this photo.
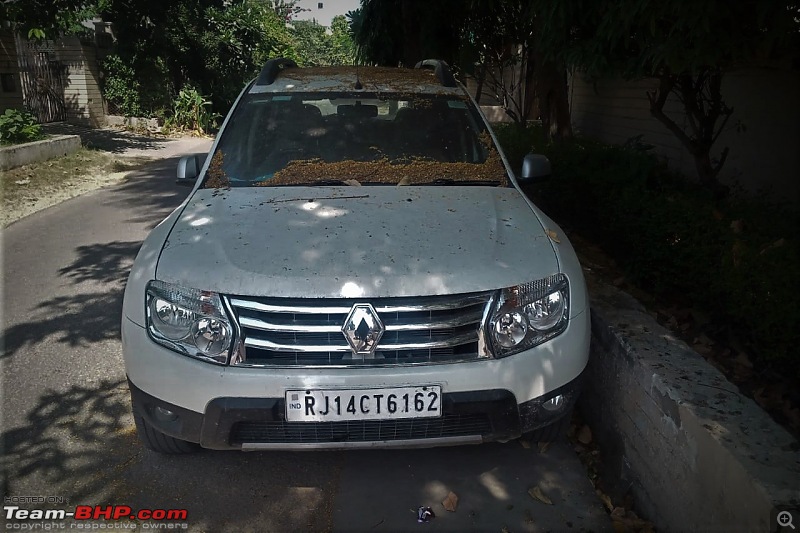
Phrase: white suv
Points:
(354, 267)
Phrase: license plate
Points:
(363, 404)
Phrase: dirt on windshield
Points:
(402, 171)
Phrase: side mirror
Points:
(189, 168)
(535, 167)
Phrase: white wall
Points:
(330, 8)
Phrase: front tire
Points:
(159, 442)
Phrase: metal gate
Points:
(42, 79)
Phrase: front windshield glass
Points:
(354, 139)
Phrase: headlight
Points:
(529, 314)
(189, 321)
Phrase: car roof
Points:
(344, 78)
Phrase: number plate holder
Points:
(332, 405)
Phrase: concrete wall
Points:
(8, 66)
(17, 155)
(694, 452)
(762, 156)
(82, 95)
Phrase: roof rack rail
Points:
(271, 69)
(441, 69)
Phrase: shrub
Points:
(136, 88)
(736, 260)
(191, 111)
(19, 127)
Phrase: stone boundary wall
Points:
(17, 155)
(695, 453)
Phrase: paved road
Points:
(68, 433)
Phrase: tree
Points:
(342, 47)
(315, 46)
(398, 32)
(492, 40)
(687, 45)
(504, 34)
(214, 46)
(311, 42)
(49, 18)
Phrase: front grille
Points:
(450, 425)
(434, 329)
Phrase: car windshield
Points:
(354, 139)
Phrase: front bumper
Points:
(260, 423)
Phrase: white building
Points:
(323, 11)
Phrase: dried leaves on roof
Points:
(367, 76)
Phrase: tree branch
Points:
(657, 102)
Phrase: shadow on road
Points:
(78, 320)
(104, 262)
(150, 193)
(83, 416)
(107, 140)
(81, 444)
(84, 317)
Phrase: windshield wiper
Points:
(321, 183)
(451, 181)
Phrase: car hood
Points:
(330, 242)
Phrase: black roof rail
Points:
(441, 69)
(271, 69)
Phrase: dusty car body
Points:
(355, 266)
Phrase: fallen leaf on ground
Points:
(537, 494)
(585, 435)
(450, 502)
(543, 447)
(605, 499)
(553, 235)
(525, 444)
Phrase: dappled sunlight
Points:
(200, 222)
(491, 482)
(495, 487)
(81, 444)
(80, 320)
(435, 490)
(351, 290)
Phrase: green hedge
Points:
(736, 260)
(19, 127)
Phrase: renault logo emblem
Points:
(363, 329)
